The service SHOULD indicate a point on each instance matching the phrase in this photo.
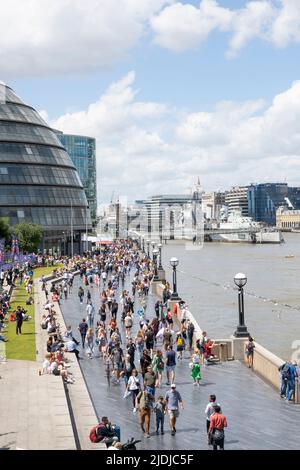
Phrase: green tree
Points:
(28, 235)
(4, 229)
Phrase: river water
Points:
(272, 296)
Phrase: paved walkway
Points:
(257, 418)
(33, 409)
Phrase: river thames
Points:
(272, 296)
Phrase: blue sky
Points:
(188, 57)
(198, 77)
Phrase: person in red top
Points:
(216, 430)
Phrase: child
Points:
(159, 409)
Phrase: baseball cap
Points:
(173, 386)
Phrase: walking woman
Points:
(158, 366)
(134, 386)
(90, 342)
(195, 365)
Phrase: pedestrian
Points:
(90, 315)
(216, 429)
(249, 351)
(209, 411)
(195, 366)
(285, 372)
(190, 334)
(173, 400)
(19, 320)
(150, 380)
(90, 342)
(82, 328)
(134, 387)
(128, 323)
(144, 402)
(145, 361)
(167, 338)
(170, 365)
(158, 366)
(290, 389)
(80, 294)
(180, 345)
(160, 410)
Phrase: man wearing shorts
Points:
(173, 399)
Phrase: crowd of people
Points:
(141, 357)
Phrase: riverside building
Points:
(82, 151)
(38, 180)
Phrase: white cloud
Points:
(163, 150)
(66, 36)
(180, 27)
(183, 26)
(286, 27)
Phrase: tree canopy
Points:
(29, 236)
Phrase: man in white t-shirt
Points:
(209, 411)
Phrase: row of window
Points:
(13, 174)
(49, 217)
(41, 195)
(25, 132)
(30, 153)
(9, 95)
(12, 112)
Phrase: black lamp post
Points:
(240, 281)
(159, 246)
(155, 254)
(148, 247)
(143, 244)
(174, 263)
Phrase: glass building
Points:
(38, 181)
(82, 151)
(264, 199)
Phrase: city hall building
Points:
(38, 181)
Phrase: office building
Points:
(264, 199)
(82, 151)
(237, 199)
(38, 181)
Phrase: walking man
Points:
(82, 328)
(209, 411)
(90, 315)
(173, 399)
(216, 430)
(144, 402)
(170, 365)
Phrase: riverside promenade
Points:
(257, 417)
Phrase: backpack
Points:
(286, 372)
(179, 341)
(94, 434)
(160, 364)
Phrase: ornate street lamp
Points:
(148, 246)
(159, 246)
(240, 281)
(174, 263)
(155, 254)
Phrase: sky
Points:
(171, 90)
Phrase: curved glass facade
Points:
(38, 180)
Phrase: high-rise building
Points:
(264, 199)
(38, 181)
(237, 199)
(82, 151)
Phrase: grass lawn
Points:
(22, 347)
